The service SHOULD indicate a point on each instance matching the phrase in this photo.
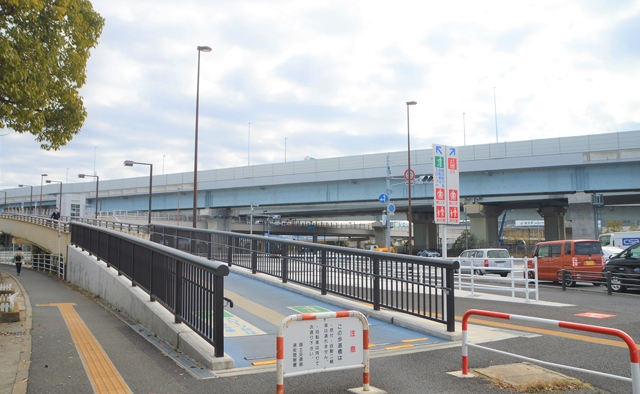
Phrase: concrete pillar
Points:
(217, 219)
(425, 231)
(583, 216)
(484, 221)
(553, 223)
(315, 238)
(380, 232)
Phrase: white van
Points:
(482, 260)
(622, 239)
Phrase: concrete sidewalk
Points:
(15, 343)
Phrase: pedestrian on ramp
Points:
(18, 258)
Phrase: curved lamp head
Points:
(128, 163)
(204, 49)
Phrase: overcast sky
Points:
(333, 77)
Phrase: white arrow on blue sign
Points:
(383, 198)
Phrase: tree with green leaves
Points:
(613, 226)
(466, 240)
(44, 48)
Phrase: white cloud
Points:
(333, 78)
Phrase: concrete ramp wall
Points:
(43, 236)
(88, 273)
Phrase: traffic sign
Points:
(409, 175)
(446, 185)
(383, 198)
(391, 208)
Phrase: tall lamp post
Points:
(130, 163)
(60, 182)
(82, 176)
(30, 198)
(179, 206)
(195, 156)
(409, 103)
(41, 180)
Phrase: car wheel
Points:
(531, 275)
(616, 284)
(504, 274)
(477, 272)
(568, 280)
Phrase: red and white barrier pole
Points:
(633, 349)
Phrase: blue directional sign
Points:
(383, 198)
(391, 208)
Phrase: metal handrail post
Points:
(323, 261)
(285, 263)
(178, 293)
(218, 316)
(451, 313)
(376, 284)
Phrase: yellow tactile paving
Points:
(103, 375)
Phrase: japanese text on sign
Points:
(316, 344)
(446, 184)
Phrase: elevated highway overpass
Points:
(569, 176)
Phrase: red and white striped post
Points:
(633, 349)
(320, 316)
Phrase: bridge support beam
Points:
(380, 232)
(217, 219)
(425, 231)
(553, 223)
(583, 216)
(483, 220)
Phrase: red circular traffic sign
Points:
(409, 173)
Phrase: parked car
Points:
(428, 253)
(610, 251)
(482, 260)
(625, 269)
(582, 256)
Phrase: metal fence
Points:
(188, 286)
(49, 263)
(415, 285)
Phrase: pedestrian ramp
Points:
(251, 326)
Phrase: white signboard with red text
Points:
(446, 184)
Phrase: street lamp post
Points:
(130, 163)
(97, 185)
(60, 182)
(30, 198)
(249, 146)
(195, 157)
(409, 172)
(179, 206)
(41, 180)
(285, 150)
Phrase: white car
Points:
(482, 260)
(608, 251)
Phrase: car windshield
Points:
(502, 254)
(587, 248)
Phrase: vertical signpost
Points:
(446, 189)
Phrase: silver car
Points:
(482, 260)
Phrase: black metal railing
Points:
(415, 285)
(39, 220)
(188, 286)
